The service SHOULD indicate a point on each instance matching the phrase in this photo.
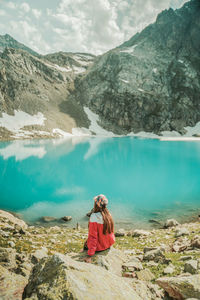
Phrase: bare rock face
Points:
(150, 82)
(60, 277)
(181, 287)
(35, 84)
(8, 41)
(11, 285)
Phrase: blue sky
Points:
(93, 26)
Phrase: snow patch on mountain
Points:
(129, 49)
(94, 126)
(20, 119)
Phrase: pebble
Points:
(169, 269)
(11, 244)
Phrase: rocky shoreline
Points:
(38, 262)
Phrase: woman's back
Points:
(97, 240)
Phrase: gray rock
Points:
(120, 232)
(145, 275)
(39, 254)
(181, 232)
(66, 218)
(170, 223)
(181, 244)
(133, 265)
(195, 243)
(147, 290)
(111, 259)
(183, 258)
(6, 216)
(4, 234)
(155, 255)
(8, 258)
(12, 285)
(61, 277)
(140, 232)
(24, 269)
(11, 244)
(191, 266)
(146, 249)
(47, 219)
(169, 269)
(181, 287)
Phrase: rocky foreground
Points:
(45, 263)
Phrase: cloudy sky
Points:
(93, 26)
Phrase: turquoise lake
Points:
(143, 179)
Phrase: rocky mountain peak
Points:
(8, 41)
(150, 82)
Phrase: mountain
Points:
(34, 92)
(150, 83)
(8, 41)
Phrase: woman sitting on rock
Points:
(101, 228)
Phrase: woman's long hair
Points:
(108, 224)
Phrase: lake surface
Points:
(142, 178)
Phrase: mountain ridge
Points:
(8, 41)
(149, 83)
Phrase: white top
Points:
(96, 217)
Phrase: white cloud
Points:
(2, 12)
(37, 13)
(88, 25)
(81, 25)
(25, 7)
(11, 5)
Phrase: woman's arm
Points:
(92, 238)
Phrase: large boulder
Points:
(7, 217)
(61, 277)
(11, 285)
(112, 260)
(147, 290)
(181, 287)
